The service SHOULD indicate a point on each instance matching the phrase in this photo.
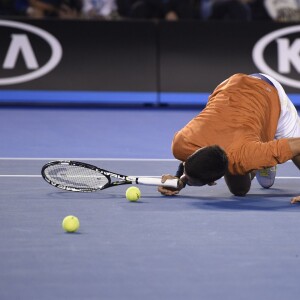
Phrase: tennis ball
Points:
(133, 194)
(70, 224)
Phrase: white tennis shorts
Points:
(289, 121)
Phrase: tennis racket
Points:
(77, 176)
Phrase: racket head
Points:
(75, 176)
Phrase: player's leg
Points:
(288, 126)
(289, 121)
(239, 185)
(266, 177)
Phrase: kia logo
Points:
(288, 55)
(21, 46)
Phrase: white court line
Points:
(29, 176)
(95, 159)
(89, 158)
(38, 176)
(287, 177)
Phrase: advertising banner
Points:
(78, 61)
(145, 62)
(196, 57)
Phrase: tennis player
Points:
(248, 126)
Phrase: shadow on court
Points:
(265, 203)
(266, 200)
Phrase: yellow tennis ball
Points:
(70, 224)
(133, 194)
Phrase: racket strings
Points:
(76, 177)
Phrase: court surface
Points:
(201, 244)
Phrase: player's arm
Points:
(296, 161)
(294, 144)
(295, 147)
(181, 182)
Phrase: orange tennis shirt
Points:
(241, 116)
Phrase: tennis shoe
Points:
(266, 176)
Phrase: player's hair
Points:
(207, 164)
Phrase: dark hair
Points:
(207, 164)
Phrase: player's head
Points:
(206, 165)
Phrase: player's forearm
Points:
(296, 161)
(180, 174)
(180, 170)
(294, 144)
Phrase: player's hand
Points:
(295, 200)
(169, 191)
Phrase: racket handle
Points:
(157, 181)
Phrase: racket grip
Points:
(157, 181)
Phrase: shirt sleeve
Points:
(257, 155)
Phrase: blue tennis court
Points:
(202, 244)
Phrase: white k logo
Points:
(288, 54)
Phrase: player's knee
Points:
(239, 192)
(239, 185)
